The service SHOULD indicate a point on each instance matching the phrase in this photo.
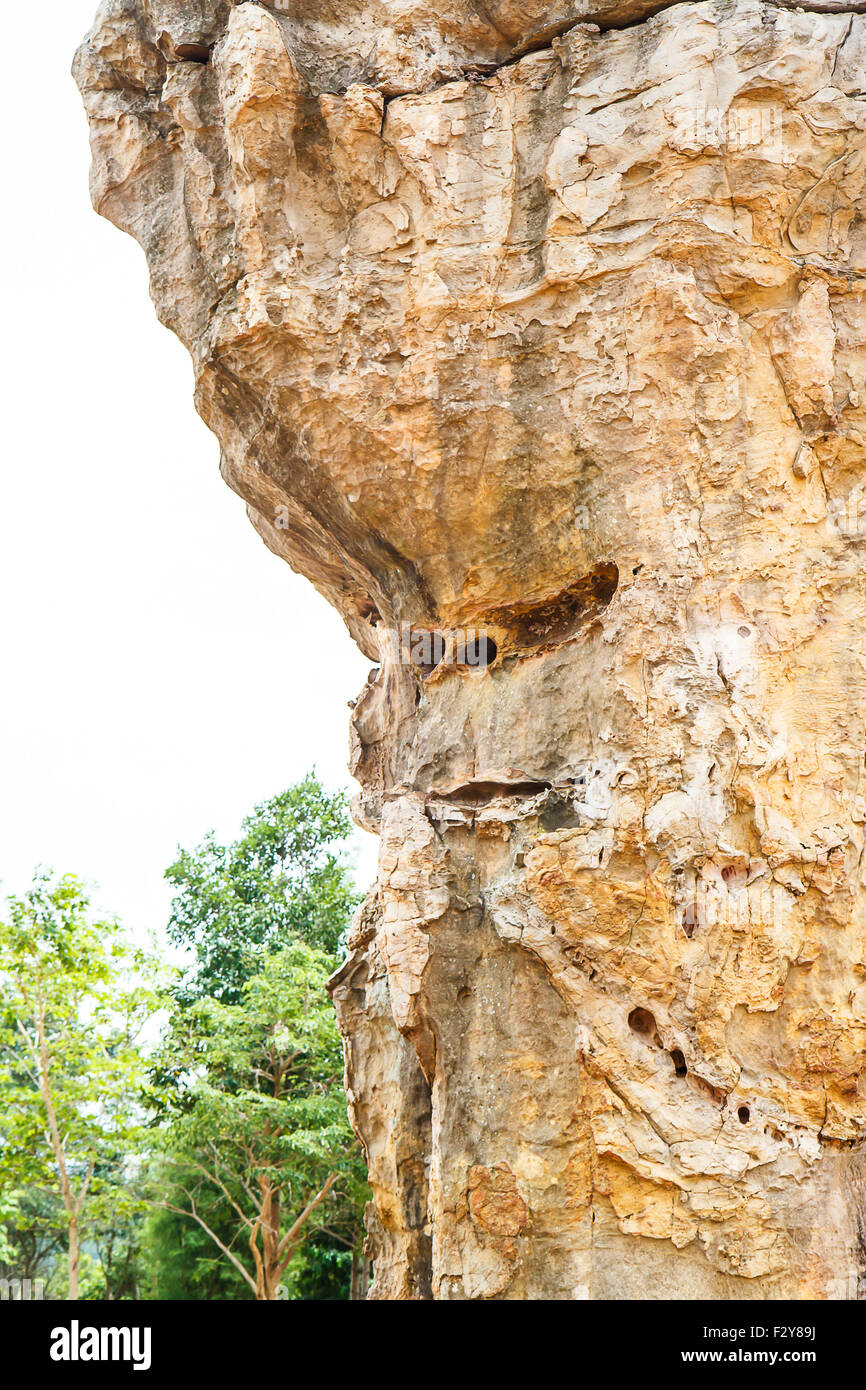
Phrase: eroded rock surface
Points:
(535, 336)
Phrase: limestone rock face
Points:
(534, 334)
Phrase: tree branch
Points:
(289, 1240)
(193, 1215)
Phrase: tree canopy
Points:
(258, 1122)
(284, 878)
(72, 1011)
(185, 1137)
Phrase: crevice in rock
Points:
(546, 623)
(193, 52)
(479, 793)
(714, 1093)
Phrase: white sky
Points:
(161, 670)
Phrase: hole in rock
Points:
(193, 52)
(426, 650)
(690, 919)
(641, 1021)
(477, 653)
(744, 631)
(679, 1062)
(744, 1114)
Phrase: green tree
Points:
(115, 1267)
(182, 1261)
(282, 880)
(258, 1120)
(32, 1242)
(72, 1009)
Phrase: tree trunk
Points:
(268, 1283)
(74, 1255)
(558, 397)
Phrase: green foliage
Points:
(33, 1236)
(322, 1271)
(115, 1256)
(72, 1008)
(282, 880)
(183, 1262)
(259, 1119)
(216, 1162)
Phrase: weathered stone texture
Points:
(549, 320)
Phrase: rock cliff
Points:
(534, 334)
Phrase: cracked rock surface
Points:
(534, 334)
